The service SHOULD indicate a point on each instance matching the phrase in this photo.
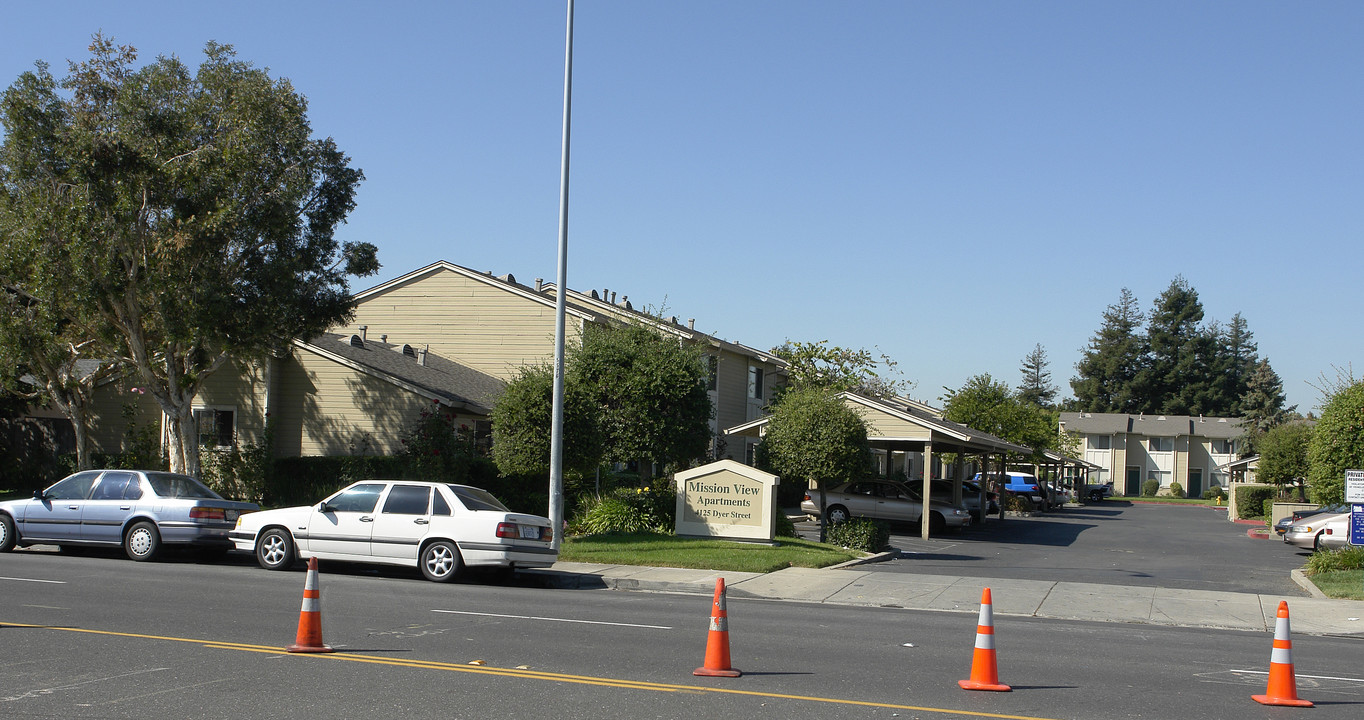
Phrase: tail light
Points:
(807, 498)
(547, 534)
(207, 513)
(507, 530)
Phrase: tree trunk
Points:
(823, 514)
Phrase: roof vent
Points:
(539, 284)
(1162, 417)
(508, 278)
(409, 351)
(421, 356)
(1221, 420)
(691, 323)
(595, 296)
(613, 297)
(383, 338)
(357, 341)
(364, 332)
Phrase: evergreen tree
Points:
(1179, 378)
(1237, 361)
(1262, 405)
(1036, 387)
(1107, 375)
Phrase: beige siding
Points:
(731, 385)
(882, 425)
(117, 409)
(239, 387)
(329, 409)
(482, 326)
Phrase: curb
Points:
(1257, 534)
(873, 558)
(1301, 579)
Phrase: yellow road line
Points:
(527, 674)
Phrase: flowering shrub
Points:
(627, 511)
(437, 447)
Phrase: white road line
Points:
(550, 619)
(54, 582)
(1313, 677)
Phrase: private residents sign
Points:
(727, 499)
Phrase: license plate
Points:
(530, 532)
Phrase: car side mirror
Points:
(323, 507)
(38, 495)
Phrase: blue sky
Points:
(948, 182)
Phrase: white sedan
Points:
(436, 527)
(1320, 532)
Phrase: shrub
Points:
(1250, 501)
(785, 528)
(628, 511)
(859, 534)
(1019, 503)
(1351, 558)
(1216, 491)
(1267, 508)
(1150, 488)
(1176, 490)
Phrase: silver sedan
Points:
(888, 500)
(1320, 532)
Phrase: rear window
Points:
(168, 485)
(476, 499)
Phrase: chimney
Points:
(364, 331)
(383, 338)
(613, 298)
(421, 355)
(539, 284)
(691, 323)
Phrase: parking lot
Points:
(1115, 542)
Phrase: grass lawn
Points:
(700, 553)
(1341, 584)
(1168, 500)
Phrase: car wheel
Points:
(275, 549)
(1316, 542)
(143, 542)
(838, 514)
(1096, 496)
(440, 561)
(7, 536)
(936, 523)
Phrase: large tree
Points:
(1236, 363)
(1178, 377)
(814, 438)
(990, 405)
(650, 394)
(1262, 403)
(192, 212)
(1036, 387)
(521, 425)
(1107, 373)
(1337, 444)
(819, 364)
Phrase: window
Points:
(1161, 476)
(477, 499)
(76, 487)
(117, 486)
(1222, 447)
(1163, 445)
(216, 427)
(712, 372)
(755, 382)
(170, 485)
(407, 500)
(1100, 442)
(359, 499)
(439, 506)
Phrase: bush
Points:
(1176, 490)
(1250, 501)
(1019, 503)
(1150, 488)
(785, 528)
(860, 534)
(1351, 558)
(628, 511)
(1216, 491)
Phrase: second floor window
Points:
(755, 382)
(1163, 445)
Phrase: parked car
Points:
(1282, 526)
(1320, 532)
(970, 497)
(436, 527)
(1099, 493)
(889, 500)
(140, 510)
(1025, 485)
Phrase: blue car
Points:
(141, 511)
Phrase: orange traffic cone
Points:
(984, 671)
(1283, 684)
(309, 638)
(717, 641)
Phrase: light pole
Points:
(556, 441)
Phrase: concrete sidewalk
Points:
(1036, 598)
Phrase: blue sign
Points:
(1357, 524)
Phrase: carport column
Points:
(927, 497)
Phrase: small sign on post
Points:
(1354, 486)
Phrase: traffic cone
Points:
(717, 640)
(309, 638)
(984, 670)
(1283, 684)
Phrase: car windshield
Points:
(476, 499)
(169, 485)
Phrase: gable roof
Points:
(439, 379)
(506, 283)
(1219, 428)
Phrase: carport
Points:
(901, 427)
(1065, 468)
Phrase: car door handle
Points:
(125, 507)
(73, 507)
(366, 519)
(422, 521)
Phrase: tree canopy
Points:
(1283, 455)
(1036, 387)
(1337, 444)
(521, 425)
(990, 405)
(819, 364)
(187, 216)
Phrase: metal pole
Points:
(556, 441)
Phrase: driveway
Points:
(1115, 542)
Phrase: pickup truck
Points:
(1097, 493)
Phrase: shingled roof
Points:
(408, 366)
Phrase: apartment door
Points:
(1195, 488)
(1133, 481)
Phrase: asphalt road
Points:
(1113, 542)
(102, 637)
